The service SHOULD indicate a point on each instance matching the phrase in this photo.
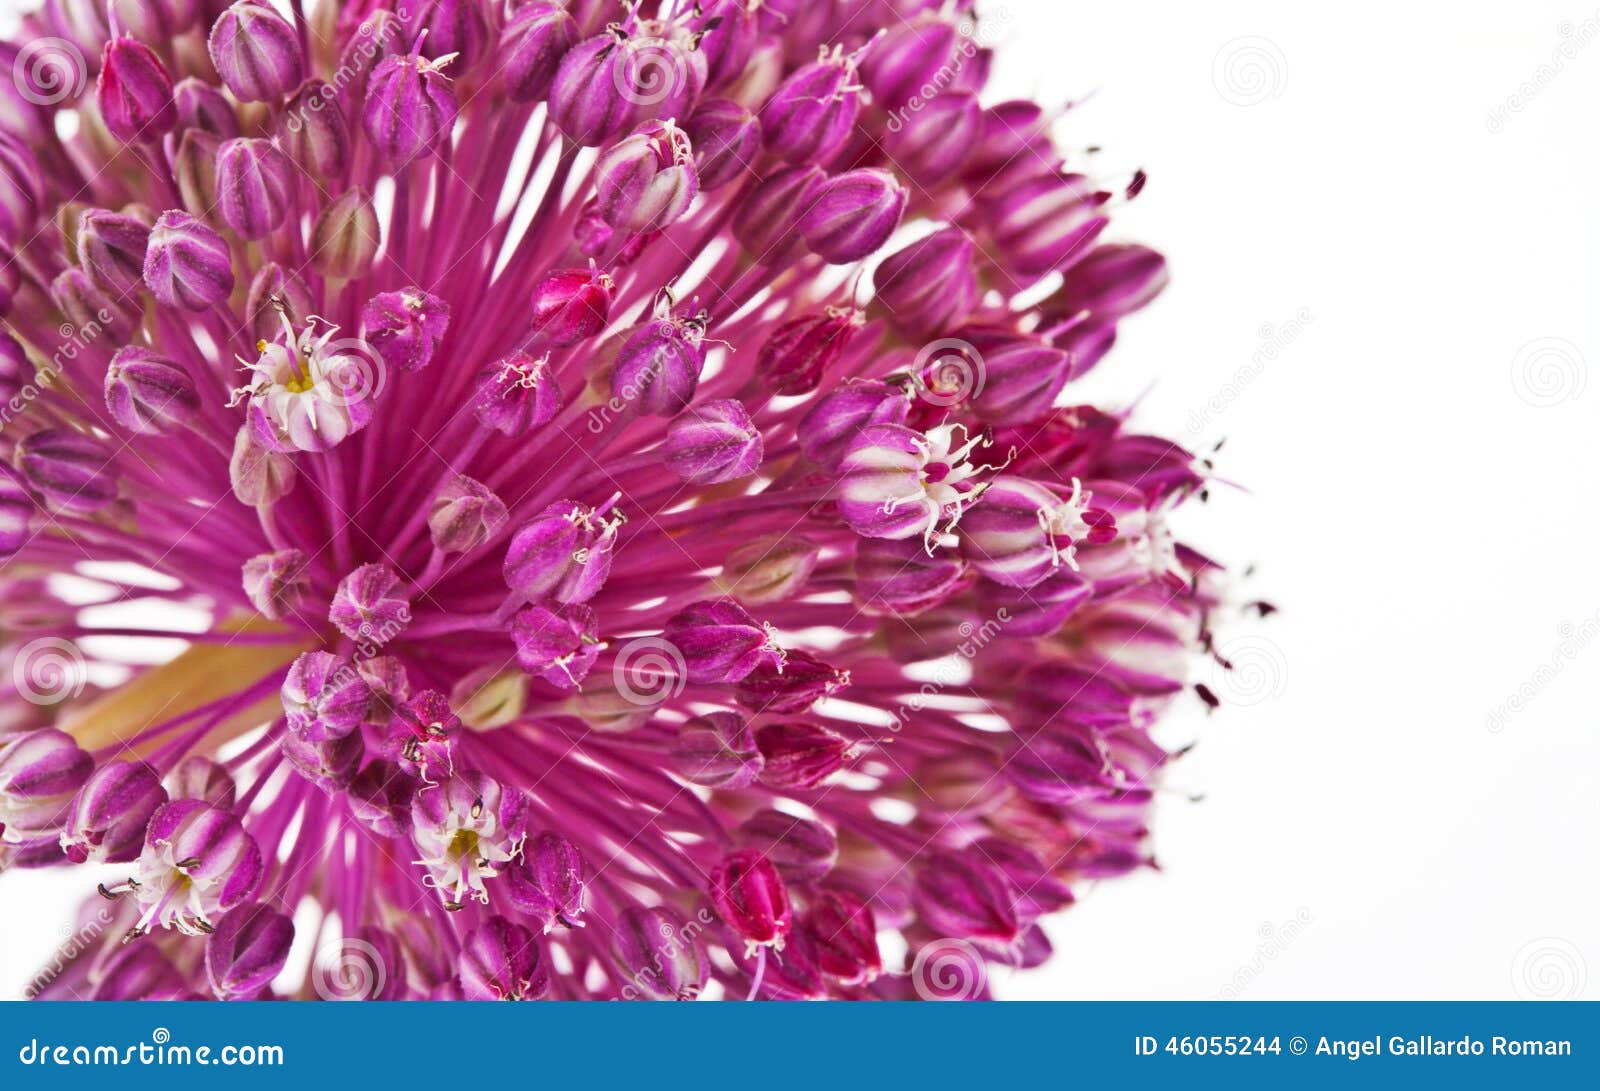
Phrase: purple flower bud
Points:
(273, 287)
(1039, 891)
(571, 305)
(536, 38)
(547, 884)
(929, 286)
(586, 97)
(40, 773)
(380, 797)
(658, 367)
(726, 139)
(1013, 140)
(256, 52)
(794, 358)
(198, 862)
(195, 169)
(646, 181)
(557, 645)
(717, 750)
(1039, 610)
(832, 425)
(111, 247)
(139, 971)
(467, 829)
(324, 696)
(501, 961)
(405, 327)
(802, 755)
(712, 443)
(313, 131)
(21, 191)
(255, 185)
(903, 579)
(248, 949)
(720, 642)
(344, 240)
(187, 265)
(465, 514)
(726, 32)
(910, 56)
(1045, 222)
(964, 896)
(766, 223)
(201, 106)
(16, 514)
(1021, 531)
(1056, 691)
(198, 777)
(276, 582)
(660, 956)
(146, 392)
(563, 552)
(71, 470)
(517, 394)
(424, 735)
(1021, 380)
(451, 27)
(846, 935)
(852, 214)
(134, 92)
(811, 115)
(410, 107)
(391, 687)
(258, 475)
(750, 896)
(803, 681)
(803, 851)
(370, 605)
(330, 763)
(932, 144)
(1112, 282)
(768, 569)
(88, 306)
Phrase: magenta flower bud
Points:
(134, 92)
(467, 830)
(768, 569)
(16, 514)
(963, 895)
(557, 645)
(903, 579)
(794, 358)
(1039, 610)
(1012, 142)
(896, 482)
(852, 214)
(517, 394)
(324, 696)
(255, 185)
(71, 470)
(720, 642)
(1038, 891)
(912, 55)
(766, 223)
(803, 851)
(197, 863)
(1021, 531)
(458, 28)
(837, 419)
(809, 118)
(1112, 282)
(256, 52)
(587, 101)
(248, 949)
(146, 392)
(380, 797)
(846, 936)
(929, 286)
(563, 552)
(370, 605)
(201, 106)
(410, 107)
(1061, 692)
(405, 327)
(139, 971)
(424, 735)
(312, 129)
(536, 38)
(1021, 380)
(802, 755)
(646, 181)
(390, 685)
(344, 240)
(258, 475)
(21, 191)
(276, 582)
(547, 883)
(88, 306)
(658, 367)
(803, 681)
(465, 514)
(195, 169)
(16, 370)
(571, 305)
(659, 954)
(111, 247)
(330, 764)
(932, 144)
(717, 750)
(500, 960)
(40, 773)
(726, 32)
(750, 896)
(726, 139)
(187, 265)
(198, 777)
(713, 443)
(273, 287)
(1046, 222)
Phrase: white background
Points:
(1417, 186)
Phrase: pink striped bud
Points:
(198, 777)
(259, 475)
(187, 265)
(371, 605)
(911, 55)
(273, 287)
(256, 52)
(809, 118)
(536, 38)
(659, 955)
(803, 851)
(134, 92)
(563, 552)
(90, 307)
(517, 394)
(803, 681)
(793, 360)
(1045, 222)
(107, 819)
(658, 367)
(21, 191)
(1021, 531)
(344, 240)
(1039, 610)
(928, 287)
(1021, 379)
(802, 755)
(410, 107)
(726, 32)
(902, 578)
(40, 773)
(1112, 282)
(460, 28)
(313, 131)
(547, 883)
(962, 895)
(500, 960)
(587, 102)
(255, 185)
(330, 764)
(16, 515)
(248, 949)
(465, 513)
(571, 305)
(276, 582)
(766, 223)
(146, 392)
(750, 896)
(70, 470)
(201, 106)
(713, 443)
(646, 181)
(111, 247)
(833, 424)
(405, 327)
(846, 936)
(852, 214)
(717, 750)
(727, 142)
(720, 642)
(558, 644)
(324, 696)
(933, 143)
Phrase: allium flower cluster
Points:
(571, 500)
